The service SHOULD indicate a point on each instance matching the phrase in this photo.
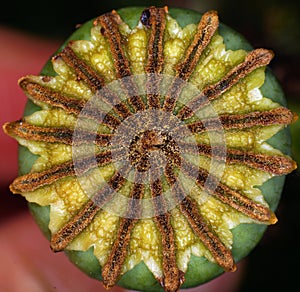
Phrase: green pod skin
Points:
(245, 236)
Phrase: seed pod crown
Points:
(151, 142)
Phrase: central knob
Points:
(152, 142)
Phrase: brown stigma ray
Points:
(70, 105)
(63, 135)
(190, 210)
(172, 276)
(74, 227)
(110, 27)
(84, 217)
(219, 251)
(113, 267)
(157, 23)
(229, 196)
(267, 163)
(276, 116)
(254, 60)
(94, 81)
(155, 43)
(205, 31)
(41, 93)
(264, 162)
(32, 181)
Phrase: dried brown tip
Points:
(295, 117)
(8, 127)
(273, 218)
(205, 31)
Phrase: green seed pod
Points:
(154, 148)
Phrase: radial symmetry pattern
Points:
(151, 141)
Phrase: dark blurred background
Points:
(274, 24)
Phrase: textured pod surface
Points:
(159, 143)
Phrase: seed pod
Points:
(154, 130)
